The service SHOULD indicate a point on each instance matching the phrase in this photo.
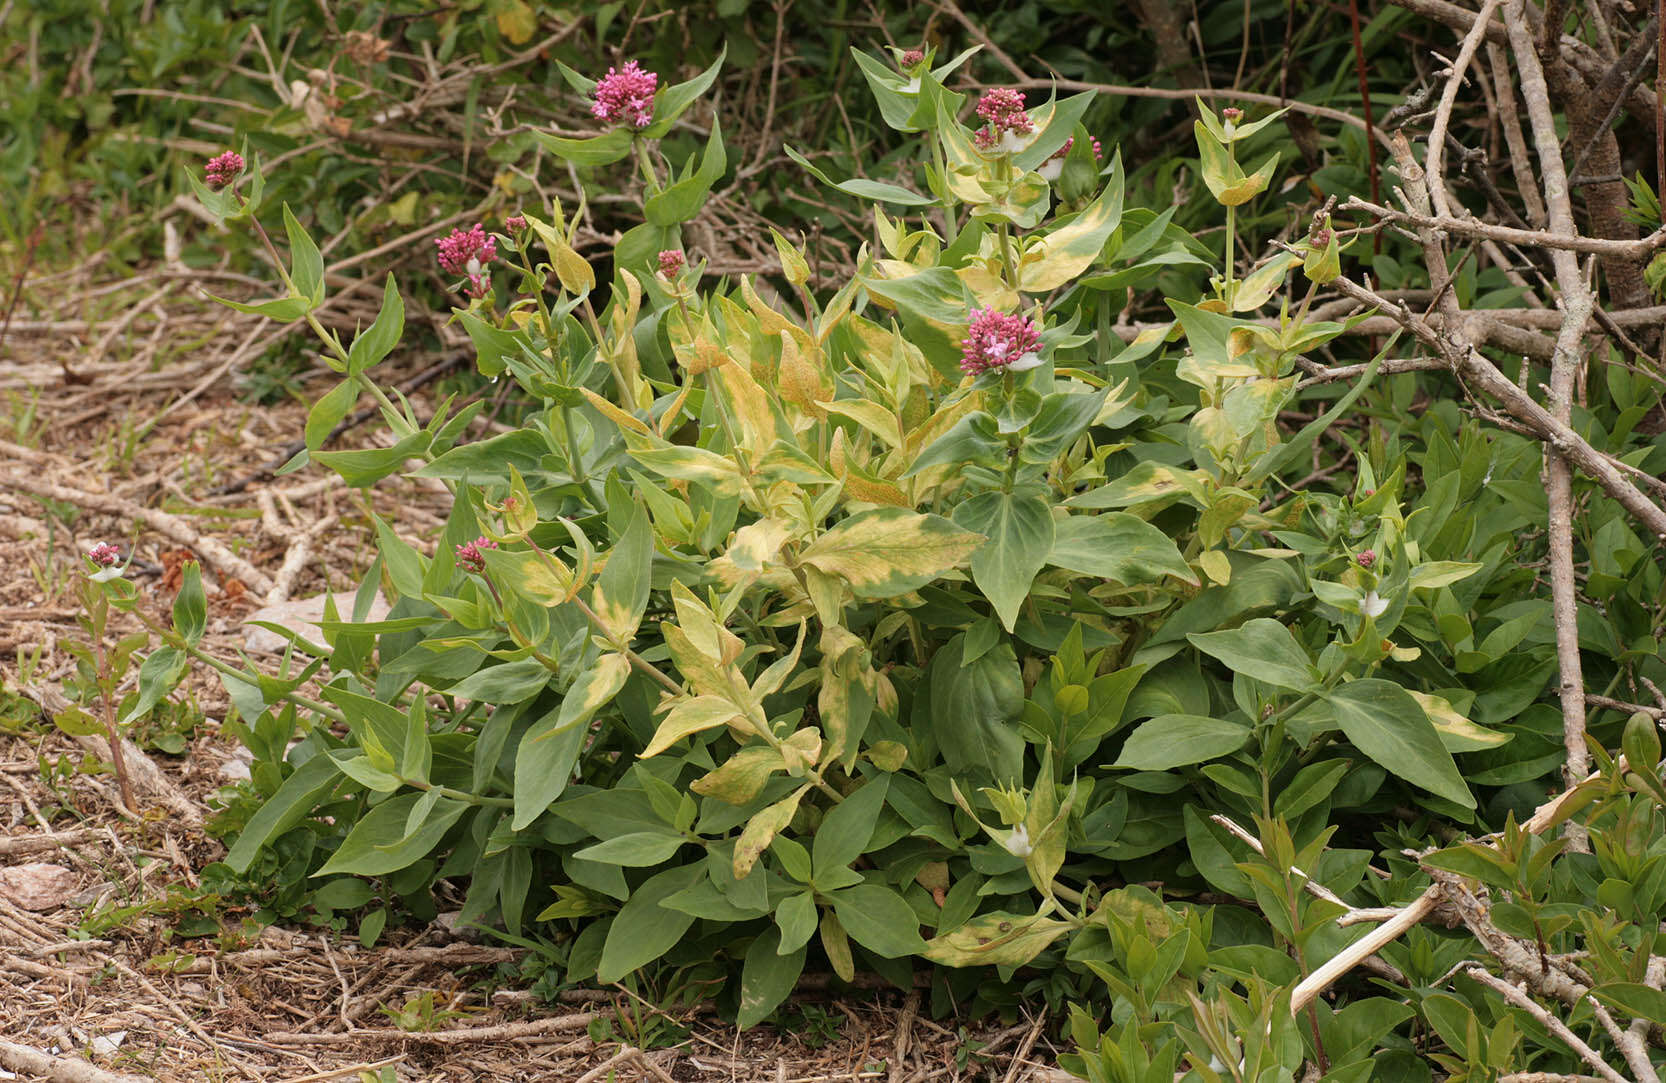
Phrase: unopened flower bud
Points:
(1366, 558)
(469, 556)
(223, 169)
(514, 223)
(671, 263)
(912, 57)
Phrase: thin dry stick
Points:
(1353, 916)
(1552, 239)
(20, 1058)
(505, 1032)
(1436, 161)
(1514, 995)
(336, 1073)
(1565, 366)
(1504, 92)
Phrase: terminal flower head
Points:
(223, 169)
(468, 554)
(999, 341)
(467, 253)
(625, 94)
(1366, 558)
(1006, 121)
(104, 554)
(912, 57)
(514, 223)
(671, 263)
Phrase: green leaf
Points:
(863, 188)
(879, 919)
(158, 676)
(682, 200)
(190, 604)
(377, 341)
(379, 844)
(971, 440)
(796, 917)
(844, 833)
(1062, 419)
(545, 757)
(1117, 546)
(282, 309)
(1387, 724)
(643, 930)
(621, 594)
(509, 682)
(1636, 1000)
(306, 265)
(673, 101)
(598, 150)
(299, 794)
(997, 939)
(767, 976)
(635, 850)
(1019, 528)
(889, 551)
(1176, 740)
(975, 710)
(1261, 648)
(328, 411)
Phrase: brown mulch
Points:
(119, 417)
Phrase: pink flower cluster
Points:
(1003, 109)
(514, 223)
(671, 263)
(1366, 558)
(912, 57)
(222, 170)
(999, 341)
(104, 554)
(468, 554)
(467, 254)
(625, 94)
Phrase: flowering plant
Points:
(904, 620)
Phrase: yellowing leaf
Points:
(739, 780)
(762, 828)
(891, 551)
(516, 21)
(997, 939)
(1457, 732)
(691, 716)
(801, 377)
(1071, 249)
(756, 544)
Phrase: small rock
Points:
(103, 1045)
(37, 886)
(301, 616)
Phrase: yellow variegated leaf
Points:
(619, 417)
(1457, 732)
(749, 407)
(720, 474)
(890, 551)
(827, 594)
(990, 289)
(836, 311)
(691, 716)
(761, 829)
(756, 544)
(794, 267)
(861, 484)
(802, 749)
(740, 779)
(1259, 285)
(1216, 566)
(768, 318)
(802, 379)
(703, 627)
(1069, 250)
(702, 672)
(871, 416)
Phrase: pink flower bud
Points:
(104, 554)
(1232, 115)
(1366, 558)
(468, 554)
(912, 57)
(1003, 109)
(625, 94)
(222, 170)
(671, 263)
(514, 223)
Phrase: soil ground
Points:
(124, 406)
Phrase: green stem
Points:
(459, 795)
(646, 162)
(1008, 259)
(1231, 246)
